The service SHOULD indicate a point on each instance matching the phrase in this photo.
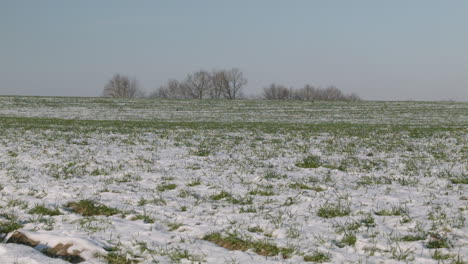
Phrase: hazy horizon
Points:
(393, 50)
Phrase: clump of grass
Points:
(174, 225)
(221, 195)
(310, 161)
(265, 191)
(400, 253)
(438, 243)
(128, 178)
(374, 180)
(201, 152)
(146, 218)
(394, 211)
(274, 175)
(8, 226)
(118, 258)
(302, 186)
(166, 187)
(317, 257)
(233, 241)
(331, 210)
(97, 172)
(142, 201)
(90, 208)
(230, 198)
(346, 227)
(12, 154)
(241, 200)
(255, 229)
(349, 239)
(194, 182)
(262, 192)
(299, 185)
(411, 238)
(17, 203)
(438, 255)
(248, 209)
(43, 210)
(459, 180)
(176, 255)
(368, 220)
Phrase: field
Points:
(215, 181)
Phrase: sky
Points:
(381, 50)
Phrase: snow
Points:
(125, 166)
(19, 254)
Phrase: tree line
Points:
(220, 84)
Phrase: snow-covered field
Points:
(160, 181)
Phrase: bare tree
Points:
(276, 92)
(218, 84)
(331, 93)
(122, 87)
(354, 97)
(229, 83)
(307, 93)
(197, 85)
(171, 90)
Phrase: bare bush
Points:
(171, 90)
(218, 82)
(277, 92)
(307, 93)
(229, 83)
(235, 83)
(121, 86)
(226, 84)
(197, 85)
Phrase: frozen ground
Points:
(157, 181)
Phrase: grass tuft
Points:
(331, 210)
(233, 241)
(8, 226)
(310, 162)
(166, 187)
(90, 208)
(317, 257)
(43, 210)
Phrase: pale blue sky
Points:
(383, 50)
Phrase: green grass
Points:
(394, 211)
(90, 208)
(221, 195)
(438, 243)
(144, 217)
(349, 239)
(310, 162)
(331, 210)
(410, 238)
(43, 210)
(459, 180)
(346, 129)
(233, 241)
(299, 185)
(8, 226)
(261, 192)
(438, 255)
(166, 187)
(201, 152)
(118, 258)
(274, 175)
(317, 257)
